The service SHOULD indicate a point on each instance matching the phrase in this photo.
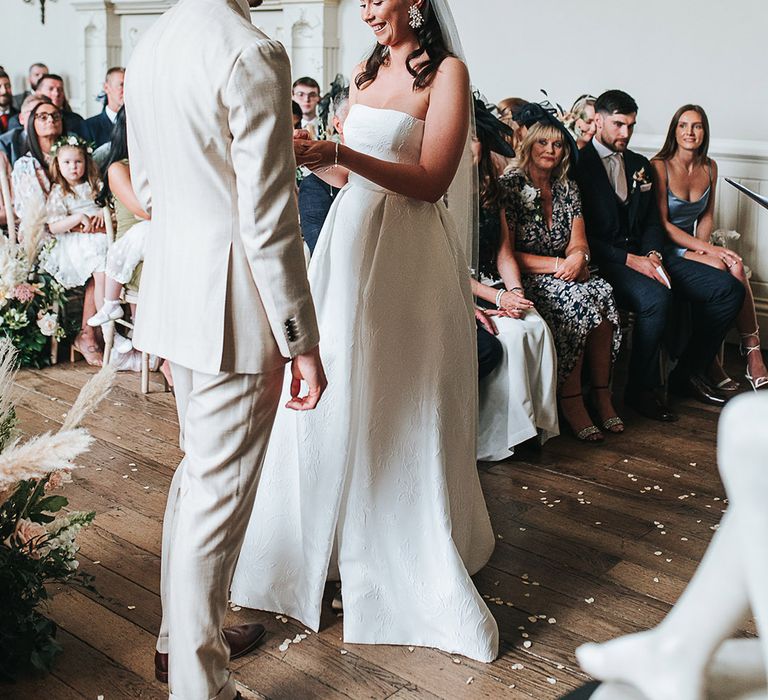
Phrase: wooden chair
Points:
(5, 192)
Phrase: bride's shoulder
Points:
(452, 67)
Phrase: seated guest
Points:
(31, 177)
(306, 93)
(31, 189)
(36, 71)
(507, 108)
(6, 166)
(627, 238)
(14, 143)
(52, 86)
(315, 195)
(7, 108)
(518, 398)
(297, 115)
(545, 225)
(125, 256)
(687, 179)
(100, 126)
(583, 125)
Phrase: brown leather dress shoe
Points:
(242, 640)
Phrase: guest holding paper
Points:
(627, 237)
(687, 180)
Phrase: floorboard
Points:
(593, 541)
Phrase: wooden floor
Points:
(592, 542)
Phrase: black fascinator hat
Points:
(491, 131)
(544, 113)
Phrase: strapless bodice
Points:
(386, 134)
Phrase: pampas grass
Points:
(90, 396)
(32, 230)
(7, 377)
(43, 454)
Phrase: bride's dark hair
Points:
(431, 42)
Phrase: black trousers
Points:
(489, 352)
(715, 298)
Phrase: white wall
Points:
(663, 52)
(56, 43)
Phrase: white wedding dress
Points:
(379, 484)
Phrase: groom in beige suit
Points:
(224, 296)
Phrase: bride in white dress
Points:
(379, 484)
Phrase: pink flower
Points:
(24, 292)
(28, 532)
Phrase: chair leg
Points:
(108, 331)
(144, 373)
(54, 342)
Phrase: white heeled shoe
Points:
(755, 382)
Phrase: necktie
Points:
(3, 122)
(618, 175)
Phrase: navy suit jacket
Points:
(12, 118)
(608, 240)
(14, 144)
(75, 124)
(100, 128)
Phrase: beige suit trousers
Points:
(225, 421)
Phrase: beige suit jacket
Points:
(208, 105)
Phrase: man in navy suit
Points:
(630, 247)
(52, 86)
(7, 109)
(100, 126)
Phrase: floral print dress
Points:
(571, 309)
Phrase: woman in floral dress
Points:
(544, 221)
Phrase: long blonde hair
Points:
(546, 131)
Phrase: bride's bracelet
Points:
(500, 294)
(336, 156)
(557, 263)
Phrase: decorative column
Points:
(99, 49)
(311, 37)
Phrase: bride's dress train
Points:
(380, 480)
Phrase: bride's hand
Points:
(314, 154)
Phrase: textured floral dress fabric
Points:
(571, 309)
(76, 256)
(379, 484)
(30, 186)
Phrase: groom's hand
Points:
(309, 368)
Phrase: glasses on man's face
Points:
(46, 117)
(302, 95)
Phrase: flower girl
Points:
(74, 219)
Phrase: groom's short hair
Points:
(615, 102)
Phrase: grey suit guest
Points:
(224, 296)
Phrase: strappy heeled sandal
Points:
(590, 433)
(755, 382)
(90, 353)
(614, 424)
